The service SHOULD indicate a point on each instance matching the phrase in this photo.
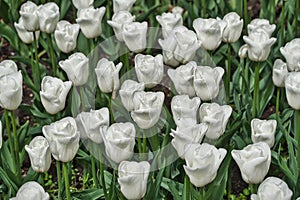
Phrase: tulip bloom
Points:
(263, 131)
(119, 5)
(280, 72)
(81, 4)
(24, 35)
(48, 17)
(168, 22)
(28, 12)
(292, 88)
(135, 36)
(291, 53)
(233, 27)
(31, 190)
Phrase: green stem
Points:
(102, 175)
(203, 8)
(228, 73)
(253, 188)
(282, 23)
(94, 173)
(255, 106)
(246, 13)
(296, 18)
(41, 178)
(54, 69)
(66, 178)
(81, 91)
(277, 104)
(36, 72)
(16, 143)
(10, 140)
(297, 136)
(59, 180)
(187, 188)
(201, 193)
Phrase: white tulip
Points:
(1, 139)
(291, 53)
(184, 110)
(24, 35)
(54, 93)
(209, 32)
(28, 12)
(128, 88)
(119, 141)
(261, 24)
(243, 51)
(183, 78)
(292, 89)
(273, 188)
(207, 82)
(11, 85)
(89, 20)
(263, 131)
(39, 154)
(76, 68)
(177, 9)
(119, 5)
(233, 28)
(280, 73)
(135, 36)
(168, 22)
(148, 107)
(133, 179)
(66, 36)
(216, 117)
(108, 75)
(254, 162)
(80, 4)
(149, 69)
(202, 163)
(48, 17)
(63, 138)
(119, 19)
(31, 190)
(89, 124)
(258, 45)
(184, 135)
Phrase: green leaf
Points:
(9, 35)
(75, 102)
(91, 194)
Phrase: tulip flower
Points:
(202, 163)
(31, 190)
(89, 20)
(209, 32)
(261, 24)
(177, 9)
(133, 179)
(258, 45)
(77, 68)
(118, 21)
(63, 138)
(273, 188)
(184, 110)
(149, 69)
(28, 12)
(119, 5)
(233, 27)
(168, 22)
(280, 73)
(135, 36)
(216, 117)
(54, 93)
(183, 78)
(207, 82)
(119, 141)
(48, 17)
(291, 53)
(108, 75)
(81, 4)
(66, 36)
(148, 107)
(263, 131)
(89, 124)
(292, 88)
(184, 135)
(39, 154)
(128, 89)
(11, 82)
(254, 162)
(24, 35)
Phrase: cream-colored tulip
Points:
(48, 17)
(292, 89)
(168, 22)
(280, 73)
(135, 36)
(263, 131)
(28, 12)
(291, 54)
(233, 28)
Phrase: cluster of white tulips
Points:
(198, 126)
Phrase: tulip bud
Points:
(263, 131)
(135, 36)
(261, 24)
(291, 54)
(168, 22)
(81, 4)
(119, 5)
(39, 154)
(24, 35)
(177, 10)
(233, 28)
(48, 17)
(280, 73)
(292, 89)
(31, 190)
(54, 93)
(28, 12)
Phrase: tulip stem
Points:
(51, 50)
(201, 193)
(203, 8)
(10, 140)
(187, 188)
(36, 72)
(255, 106)
(66, 177)
(296, 18)
(297, 137)
(253, 188)
(16, 143)
(94, 173)
(245, 13)
(228, 73)
(282, 23)
(59, 180)
(277, 104)
(81, 91)
(102, 175)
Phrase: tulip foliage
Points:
(148, 99)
